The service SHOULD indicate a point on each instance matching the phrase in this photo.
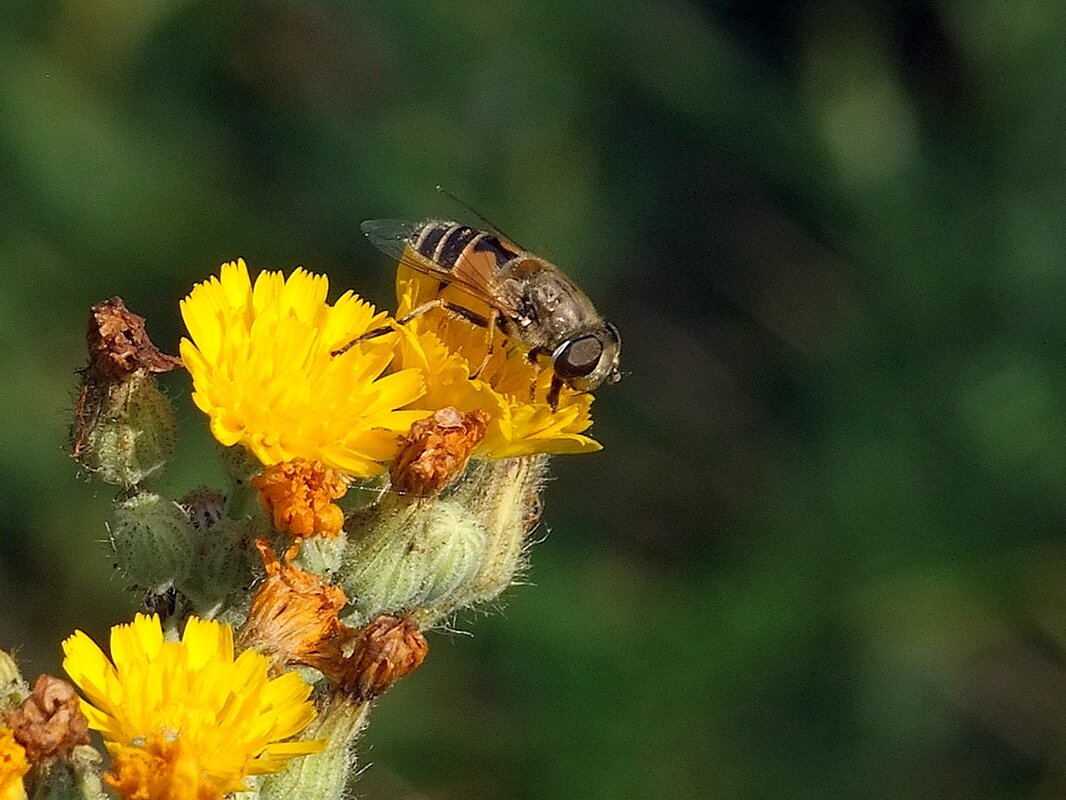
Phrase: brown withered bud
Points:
(293, 618)
(119, 344)
(49, 724)
(436, 451)
(119, 348)
(385, 650)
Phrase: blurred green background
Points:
(822, 552)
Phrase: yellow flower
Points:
(514, 392)
(185, 720)
(263, 371)
(13, 765)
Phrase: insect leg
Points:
(371, 334)
(553, 392)
(533, 355)
(494, 322)
(459, 311)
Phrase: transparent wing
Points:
(392, 236)
(396, 238)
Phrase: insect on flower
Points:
(528, 298)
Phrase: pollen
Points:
(159, 768)
(299, 497)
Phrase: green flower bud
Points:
(13, 689)
(322, 555)
(432, 556)
(506, 497)
(405, 556)
(131, 436)
(123, 428)
(74, 779)
(325, 775)
(222, 563)
(204, 507)
(153, 540)
(240, 466)
(187, 553)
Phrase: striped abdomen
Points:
(445, 243)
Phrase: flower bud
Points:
(240, 467)
(124, 427)
(153, 540)
(408, 557)
(132, 436)
(322, 555)
(205, 507)
(432, 556)
(75, 778)
(223, 567)
(13, 688)
(186, 549)
(506, 497)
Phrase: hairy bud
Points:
(409, 556)
(433, 556)
(124, 429)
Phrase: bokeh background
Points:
(822, 553)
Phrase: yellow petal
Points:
(261, 359)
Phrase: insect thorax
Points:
(551, 307)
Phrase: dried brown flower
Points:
(119, 344)
(437, 450)
(385, 650)
(49, 724)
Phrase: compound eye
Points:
(578, 358)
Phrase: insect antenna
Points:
(492, 226)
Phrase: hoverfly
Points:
(530, 300)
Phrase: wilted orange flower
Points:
(437, 450)
(385, 650)
(299, 495)
(293, 619)
(49, 723)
